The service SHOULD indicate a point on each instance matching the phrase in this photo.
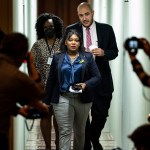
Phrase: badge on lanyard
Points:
(49, 60)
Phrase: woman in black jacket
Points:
(72, 78)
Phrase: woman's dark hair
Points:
(67, 35)
(39, 26)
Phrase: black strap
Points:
(50, 50)
(29, 128)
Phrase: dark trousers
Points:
(4, 143)
(99, 113)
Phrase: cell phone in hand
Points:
(76, 87)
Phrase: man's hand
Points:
(98, 52)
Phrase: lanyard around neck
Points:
(50, 49)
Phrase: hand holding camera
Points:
(31, 113)
(34, 111)
(132, 44)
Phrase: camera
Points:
(35, 114)
(132, 44)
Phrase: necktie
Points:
(88, 38)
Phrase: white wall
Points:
(111, 12)
(24, 17)
(128, 109)
(135, 107)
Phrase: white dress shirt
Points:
(93, 35)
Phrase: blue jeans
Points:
(71, 114)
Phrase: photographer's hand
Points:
(137, 66)
(24, 111)
(39, 105)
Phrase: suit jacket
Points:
(90, 75)
(106, 41)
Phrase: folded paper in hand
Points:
(91, 47)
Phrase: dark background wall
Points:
(6, 15)
(65, 9)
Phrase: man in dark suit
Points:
(104, 48)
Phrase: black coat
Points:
(90, 75)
